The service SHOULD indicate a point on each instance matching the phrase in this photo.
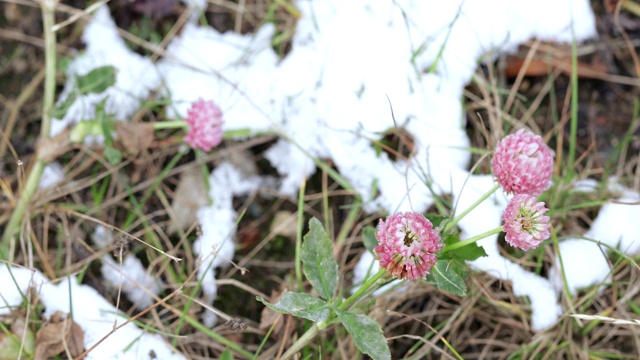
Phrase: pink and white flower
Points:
(525, 223)
(523, 164)
(408, 245)
(205, 125)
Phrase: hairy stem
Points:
(455, 220)
(471, 240)
(7, 245)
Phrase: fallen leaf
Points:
(243, 160)
(60, 333)
(50, 148)
(190, 196)
(541, 67)
(285, 223)
(135, 137)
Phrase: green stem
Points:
(300, 225)
(468, 210)
(350, 221)
(363, 288)
(574, 106)
(302, 341)
(174, 124)
(50, 66)
(7, 244)
(471, 240)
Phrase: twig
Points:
(75, 17)
(33, 41)
(111, 227)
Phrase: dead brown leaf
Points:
(61, 334)
(135, 137)
(284, 223)
(541, 67)
(190, 196)
(50, 148)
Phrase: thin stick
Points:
(111, 227)
(75, 17)
(115, 320)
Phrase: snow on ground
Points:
(351, 63)
(93, 313)
(52, 175)
(136, 282)
(617, 226)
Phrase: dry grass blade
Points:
(606, 319)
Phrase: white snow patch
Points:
(585, 262)
(137, 283)
(617, 225)
(93, 313)
(52, 175)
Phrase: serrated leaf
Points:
(301, 305)
(97, 80)
(319, 265)
(459, 269)
(369, 237)
(430, 279)
(366, 333)
(447, 279)
(469, 252)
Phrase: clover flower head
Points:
(408, 245)
(522, 163)
(525, 224)
(205, 125)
